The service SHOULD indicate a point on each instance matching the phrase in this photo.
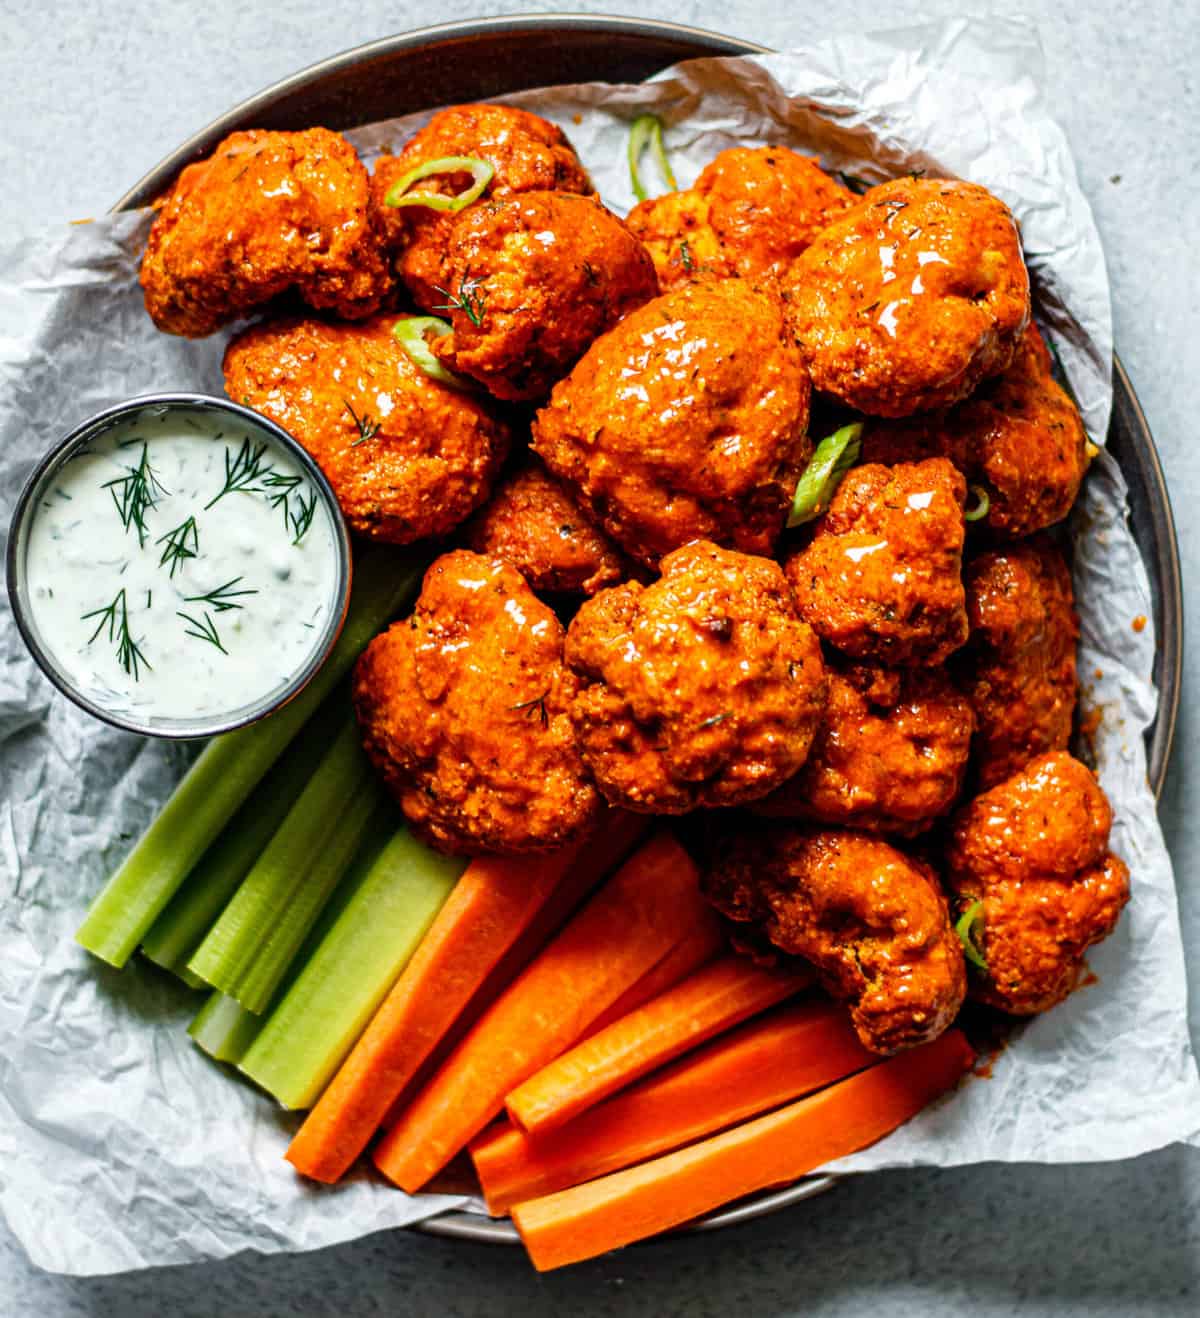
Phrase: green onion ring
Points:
(965, 929)
(480, 170)
(410, 335)
(647, 131)
(982, 504)
(834, 457)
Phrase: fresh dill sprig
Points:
(182, 542)
(536, 705)
(300, 520)
(135, 493)
(470, 300)
(243, 471)
(204, 631)
(366, 425)
(114, 617)
(223, 597)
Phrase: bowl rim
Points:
(15, 554)
(1162, 554)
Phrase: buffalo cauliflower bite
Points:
(463, 709)
(534, 524)
(265, 213)
(889, 756)
(881, 578)
(1031, 874)
(873, 921)
(1019, 668)
(407, 457)
(703, 689)
(528, 153)
(912, 297)
(687, 421)
(529, 281)
(751, 212)
(1018, 437)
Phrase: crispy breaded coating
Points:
(1019, 669)
(1019, 437)
(408, 458)
(751, 212)
(528, 153)
(532, 522)
(881, 578)
(530, 281)
(910, 299)
(890, 753)
(463, 709)
(703, 689)
(265, 213)
(873, 921)
(1034, 851)
(679, 238)
(687, 421)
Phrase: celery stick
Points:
(193, 981)
(307, 1036)
(193, 910)
(224, 1028)
(321, 830)
(229, 769)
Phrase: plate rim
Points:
(1164, 548)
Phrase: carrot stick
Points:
(629, 924)
(738, 1075)
(494, 902)
(698, 947)
(715, 998)
(629, 1205)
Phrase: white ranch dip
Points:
(181, 566)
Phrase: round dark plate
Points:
(475, 60)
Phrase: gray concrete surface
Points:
(93, 95)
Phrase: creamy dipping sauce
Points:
(181, 566)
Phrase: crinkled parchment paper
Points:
(121, 1146)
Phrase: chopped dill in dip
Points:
(180, 566)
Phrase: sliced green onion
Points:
(410, 335)
(314, 1026)
(480, 170)
(229, 769)
(967, 928)
(834, 457)
(979, 510)
(647, 131)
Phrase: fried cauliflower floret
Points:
(530, 281)
(1019, 669)
(1030, 858)
(881, 578)
(1018, 437)
(889, 756)
(407, 457)
(265, 213)
(872, 920)
(912, 297)
(703, 689)
(687, 421)
(528, 153)
(463, 709)
(751, 212)
(534, 524)
(675, 231)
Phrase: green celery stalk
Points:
(223, 1028)
(228, 770)
(308, 1034)
(247, 951)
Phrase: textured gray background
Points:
(93, 95)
